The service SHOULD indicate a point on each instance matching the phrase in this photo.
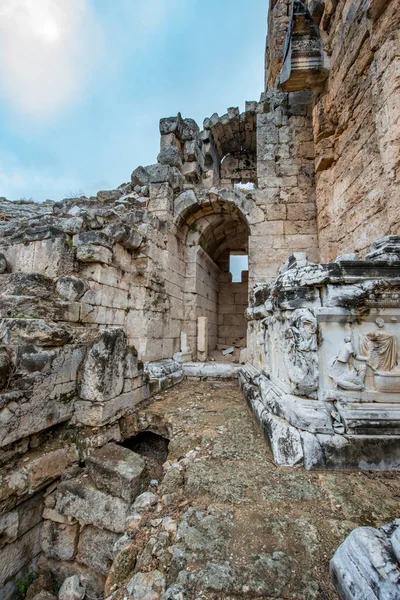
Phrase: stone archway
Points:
(213, 225)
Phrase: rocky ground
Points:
(225, 522)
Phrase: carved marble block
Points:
(324, 342)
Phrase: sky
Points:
(83, 84)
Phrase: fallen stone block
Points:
(118, 471)
(103, 370)
(365, 566)
(91, 580)
(212, 370)
(79, 498)
(71, 589)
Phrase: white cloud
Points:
(47, 51)
(18, 180)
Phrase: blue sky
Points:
(83, 83)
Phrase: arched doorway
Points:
(214, 229)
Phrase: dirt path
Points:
(246, 528)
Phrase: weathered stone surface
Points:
(140, 176)
(43, 595)
(70, 288)
(364, 567)
(170, 156)
(14, 557)
(47, 398)
(78, 498)
(89, 253)
(5, 367)
(95, 548)
(147, 586)
(71, 589)
(35, 332)
(103, 370)
(144, 502)
(3, 264)
(90, 580)
(126, 236)
(118, 471)
(59, 541)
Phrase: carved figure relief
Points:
(300, 346)
(380, 348)
(348, 369)
(381, 351)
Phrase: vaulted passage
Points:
(214, 234)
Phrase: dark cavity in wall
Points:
(153, 447)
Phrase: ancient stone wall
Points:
(355, 119)
(356, 127)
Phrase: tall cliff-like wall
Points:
(357, 127)
(356, 117)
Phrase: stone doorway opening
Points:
(216, 232)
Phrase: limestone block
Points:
(128, 237)
(189, 130)
(118, 470)
(364, 566)
(309, 415)
(191, 171)
(97, 414)
(13, 557)
(171, 125)
(53, 257)
(95, 548)
(102, 375)
(212, 370)
(165, 174)
(59, 541)
(169, 139)
(140, 176)
(27, 284)
(48, 402)
(171, 156)
(79, 498)
(28, 476)
(8, 528)
(202, 338)
(71, 288)
(88, 253)
(184, 201)
(285, 440)
(91, 580)
(71, 226)
(161, 198)
(34, 332)
(71, 589)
